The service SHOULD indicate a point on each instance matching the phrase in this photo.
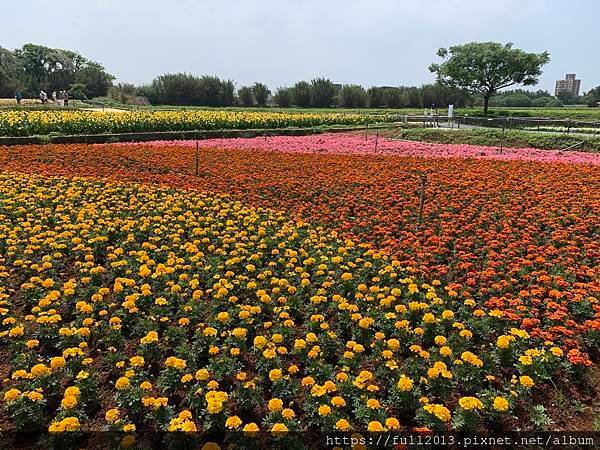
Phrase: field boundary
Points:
(107, 138)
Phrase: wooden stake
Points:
(376, 140)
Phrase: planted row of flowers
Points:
(161, 309)
(43, 122)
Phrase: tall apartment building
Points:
(569, 84)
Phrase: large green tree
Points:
(486, 67)
(41, 67)
(8, 73)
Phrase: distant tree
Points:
(301, 94)
(486, 67)
(567, 97)
(376, 97)
(261, 93)
(353, 96)
(394, 98)
(185, 89)
(592, 98)
(283, 96)
(322, 92)
(95, 79)
(245, 95)
(77, 91)
(8, 73)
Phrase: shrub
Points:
(323, 93)
(261, 93)
(245, 96)
(283, 96)
(301, 94)
(353, 96)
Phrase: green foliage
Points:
(375, 97)
(52, 69)
(127, 94)
(245, 96)
(592, 98)
(496, 138)
(95, 79)
(322, 93)
(187, 90)
(353, 96)
(301, 94)
(283, 97)
(487, 67)
(261, 93)
(8, 73)
(77, 91)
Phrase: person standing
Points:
(61, 98)
(41, 96)
(54, 97)
(66, 96)
(18, 96)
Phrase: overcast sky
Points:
(376, 42)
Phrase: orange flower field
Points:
(292, 291)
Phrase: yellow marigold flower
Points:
(470, 403)
(342, 425)
(288, 413)
(151, 337)
(526, 381)
(137, 361)
(338, 402)
(500, 404)
(12, 395)
(324, 410)
(69, 402)
(233, 422)
(275, 374)
(373, 403)
(279, 428)
(375, 426)
(112, 415)
(122, 383)
(405, 384)
(57, 362)
(439, 411)
(40, 370)
(251, 428)
(392, 423)
(275, 404)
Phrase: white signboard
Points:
(450, 111)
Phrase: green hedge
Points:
(495, 138)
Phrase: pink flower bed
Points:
(355, 144)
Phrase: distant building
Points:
(569, 84)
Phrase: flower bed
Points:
(146, 308)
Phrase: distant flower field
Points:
(28, 123)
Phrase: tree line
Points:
(472, 74)
(187, 90)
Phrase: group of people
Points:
(60, 98)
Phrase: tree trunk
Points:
(486, 102)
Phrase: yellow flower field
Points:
(43, 122)
(196, 312)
